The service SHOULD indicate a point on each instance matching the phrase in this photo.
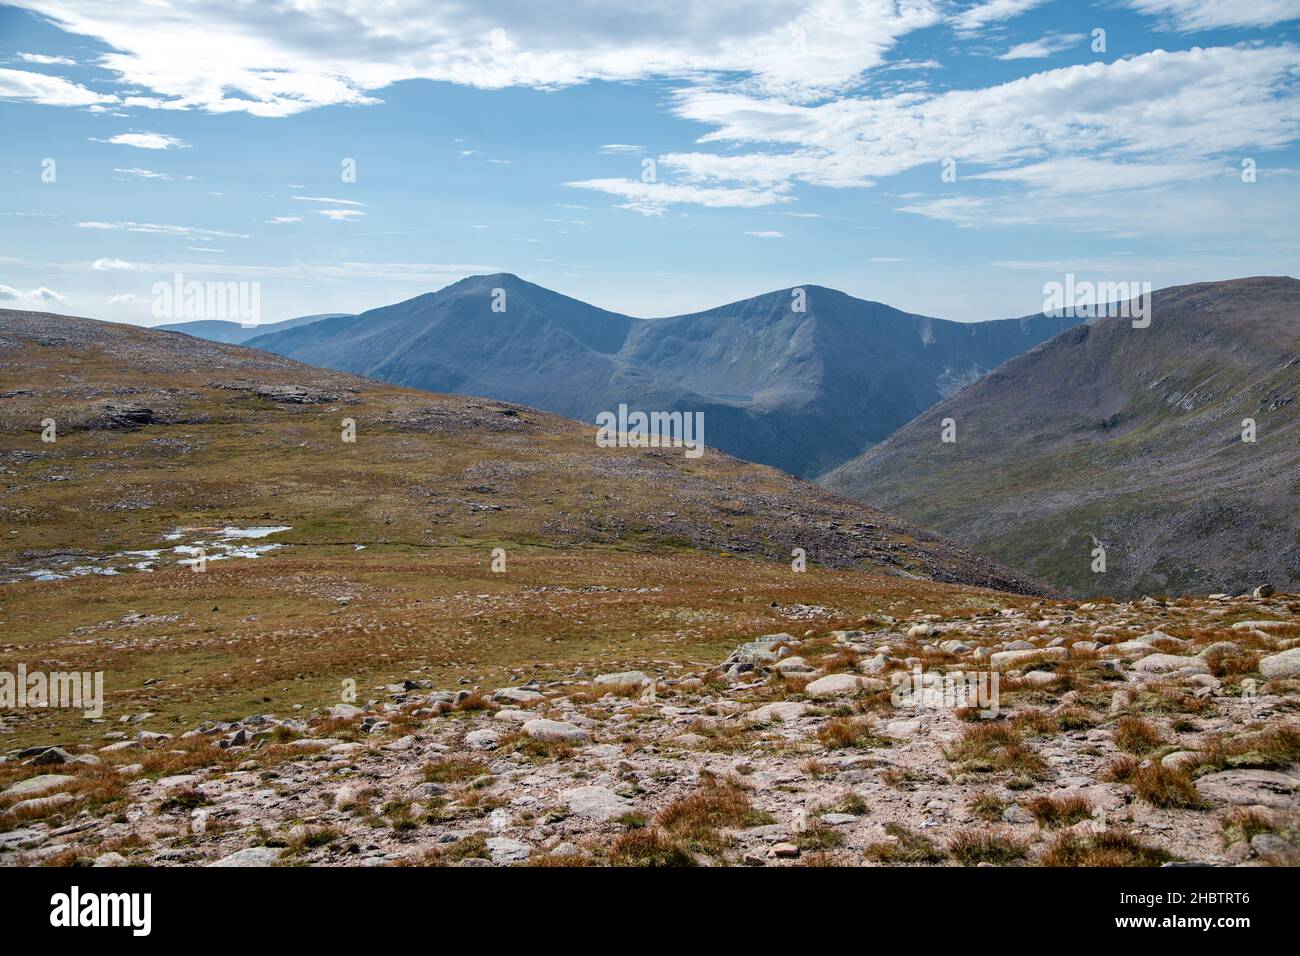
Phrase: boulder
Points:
(484, 739)
(623, 679)
(35, 786)
(781, 711)
(505, 851)
(555, 730)
(1281, 666)
(1246, 788)
(41, 804)
(595, 803)
(251, 856)
(839, 685)
(1170, 663)
(1005, 659)
(516, 695)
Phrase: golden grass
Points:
(997, 847)
(996, 747)
(907, 846)
(1135, 735)
(1108, 848)
(1059, 811)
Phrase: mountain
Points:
(800, 390)
(1129, 436)
(474, 634)
(156, 431)
(233, 333)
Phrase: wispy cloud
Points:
(145, 141)
(46, 60)
(651, 199)
(47, 90)
(1193, 15)
(1049, 45)
(341, 215)
(151, 174)
(111, 265)
(330, 200)
(982, 15)
(159, 229)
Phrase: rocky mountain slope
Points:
(1131, 438)
(1116, 735)
(234, 333)
(802, 382)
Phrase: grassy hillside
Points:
(1130, 436)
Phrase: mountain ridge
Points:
(800, 389)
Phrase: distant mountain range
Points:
(1132, 437)
(803, 379)
(234, 333)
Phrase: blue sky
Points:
(793, 142)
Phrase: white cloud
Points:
(1196, 104)
(111, 265)
(121, 298)
(46, 60)
(279, 59)
(616, 149)
(47, 90)
(145, 141)
(41, 296)
(1192, 15)
(1082, 174)
(766, 234)
(158, 229)
(981, 15)
(1049, 45)
(914, 65)
(284, 219)
(330, 200)
(341, 215)
(651, 199)
(154, 174)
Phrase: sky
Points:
(947, 158)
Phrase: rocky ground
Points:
(1133, 733)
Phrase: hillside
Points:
(647, 682)
(1131, 436)
(800, 390)
(157, 431)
